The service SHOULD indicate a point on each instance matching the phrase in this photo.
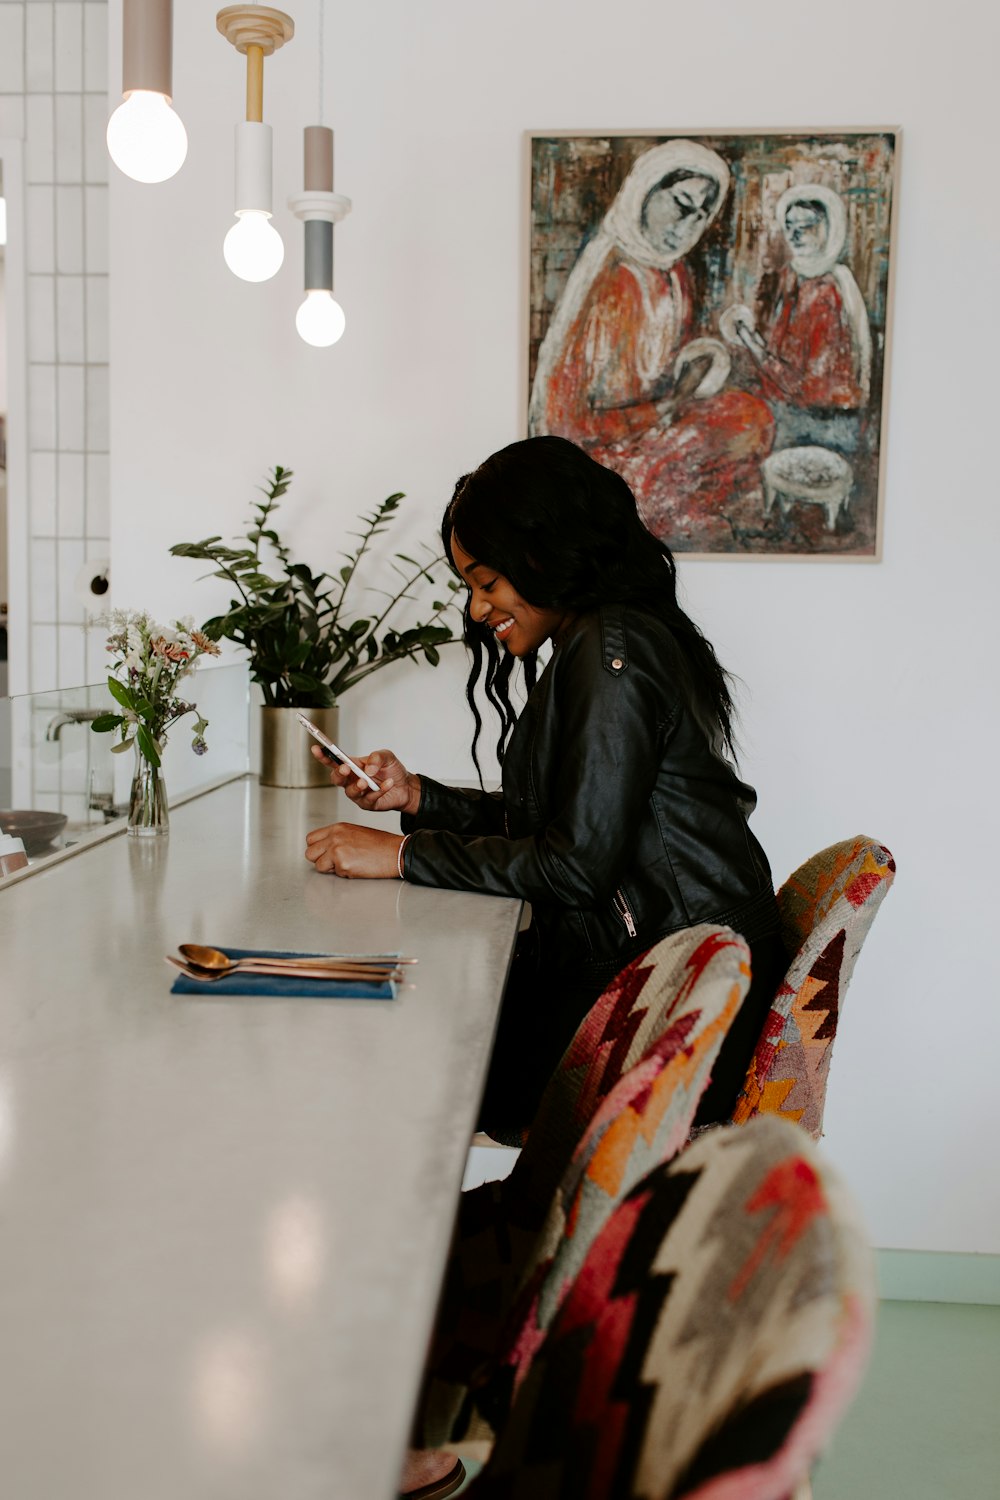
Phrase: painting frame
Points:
(848, 529)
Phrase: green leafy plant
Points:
(306, 647)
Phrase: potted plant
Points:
(306, 645)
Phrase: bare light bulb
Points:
(146, 139)
(320, 319)
(253, 247)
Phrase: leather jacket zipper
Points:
(624, 911)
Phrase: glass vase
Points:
(148, 813)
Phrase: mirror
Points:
(55, 361)
(5, 737)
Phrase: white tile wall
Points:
(53, 82)
(43, 654)
(69, 319)
(95, 150)
(69, 47)
(71, 421)
(72, 512)
(39, 147)
(47, 756)
(99, 498)
(97, 655)
(97, 255)
(12, 116)
(98, 422)
(69, 230)
(95, 48)
(42, 489)
(69, 137)
(75, 747)
(70, 560)
(41, 406)
(11, 49)
(40, 233)
(75, 759)
(41, 324)
(72, 656)
(39, 69)
(44, 557)
(74, 804)
(96, 298)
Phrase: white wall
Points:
(871, 689)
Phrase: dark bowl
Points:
(37, 829)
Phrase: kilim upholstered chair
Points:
(642, 1123)
(710, 1340)
(827, 908)
(670, 1007)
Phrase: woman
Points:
(621, 818)
(814, 347)
(609, 366)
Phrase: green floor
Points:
(926, 1423)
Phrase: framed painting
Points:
(709, 315)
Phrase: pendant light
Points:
(146, 139)
(320, 319)
(253, 247)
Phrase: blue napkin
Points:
(274, 984)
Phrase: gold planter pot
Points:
(285, 747)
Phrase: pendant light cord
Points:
(321, 59)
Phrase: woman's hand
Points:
(354, 852)
(400, 789)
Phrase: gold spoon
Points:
(217, 961)
(330, 972)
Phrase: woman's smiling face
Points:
(495, 604)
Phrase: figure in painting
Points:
(812, 349)
(619, 369)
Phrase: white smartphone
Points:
(337, 754)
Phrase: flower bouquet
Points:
(150, 661)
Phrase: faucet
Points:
(71, 716)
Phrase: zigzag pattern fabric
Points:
(827, 908)
(644, 1121)
(716, 1330)
(662, 993)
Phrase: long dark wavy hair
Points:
(566, 532)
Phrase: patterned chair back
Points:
(672, 1004)
(643, 1121)
(827, 908)
(713, 1335)
(661, 992)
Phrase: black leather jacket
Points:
(617, 820)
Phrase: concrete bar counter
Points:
(223, 1220)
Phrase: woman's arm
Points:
(456, 810)
(603, 751)
(420, 801)
(358, 852)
